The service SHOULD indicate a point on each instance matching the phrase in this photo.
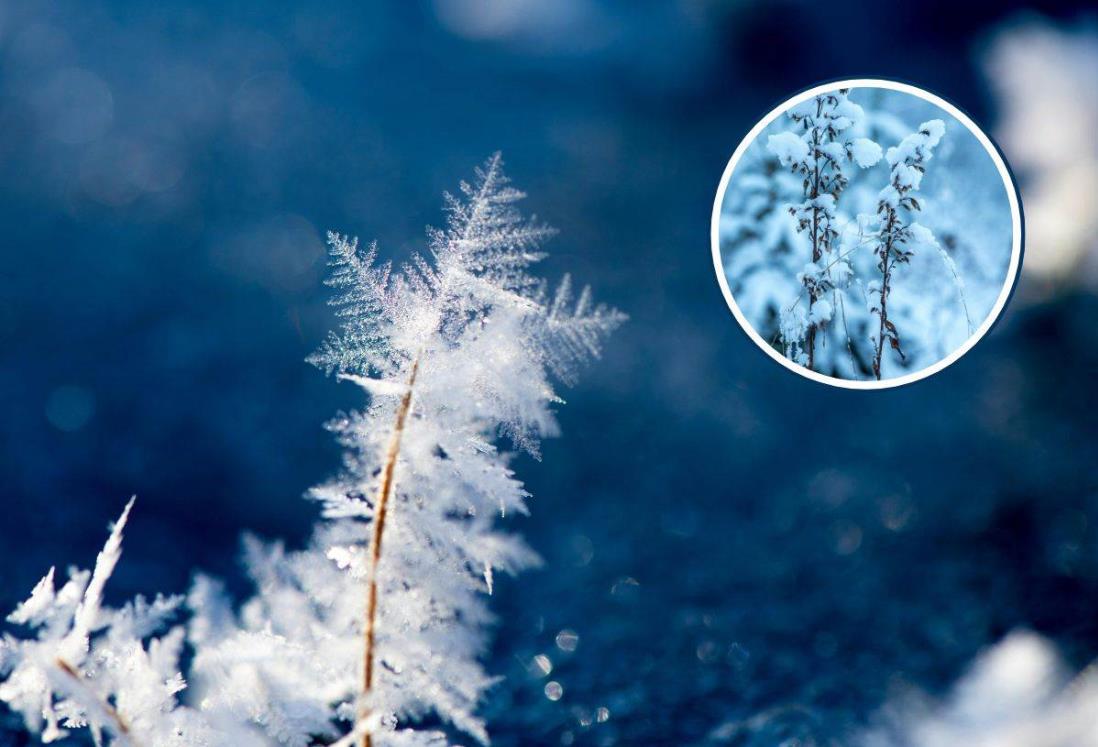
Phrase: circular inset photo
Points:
(866, 234)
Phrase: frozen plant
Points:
(937, 301)
(816, 150)
(379, 624)
(908, 162)
(103, 669)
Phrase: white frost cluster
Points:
(821, 312)
(104, 669)
(789, 148)
(918, 146)
(455, 352)
(866, 152)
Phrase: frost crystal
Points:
(381, 620)
(94, 667)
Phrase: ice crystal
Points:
(103, 669)
(454, 351)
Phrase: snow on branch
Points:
(816, 151)
(895, 236)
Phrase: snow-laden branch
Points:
(894, 234)
(816, 150)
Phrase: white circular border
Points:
(1015, 216)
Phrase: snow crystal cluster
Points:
(802, 231)
(114, 672)
(866, 153)
(378, 625)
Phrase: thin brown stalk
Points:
(112, 713)
(887, 265)
(817, 251)
(381, 506)
(886, 278)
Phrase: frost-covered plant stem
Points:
(908, 161)
(104, 706)
(82, 665)
(817, 251)
(372, 635)
(385, 489)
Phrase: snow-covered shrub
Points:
(381, 620)
(896, 236)
(816, 151)
(946, 291)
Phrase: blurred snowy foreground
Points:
(1018, 694)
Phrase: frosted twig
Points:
(455, 351)
(381, 506)
(108, 710)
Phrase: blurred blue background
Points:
(734, 553)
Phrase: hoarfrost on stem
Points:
(381, 620)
